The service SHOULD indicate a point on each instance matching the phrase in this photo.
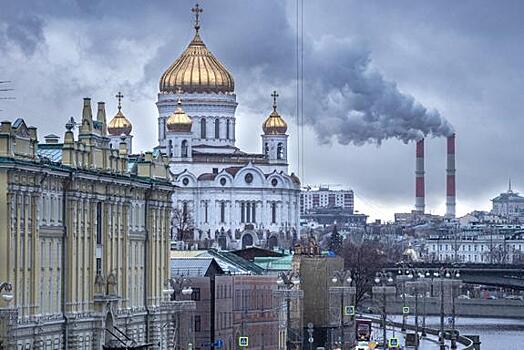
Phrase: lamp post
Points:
(342, 281)
(287, 281)
(404, 274)
(446, 273)
(179, 286)
(382, 279)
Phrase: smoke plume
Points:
(350, 101)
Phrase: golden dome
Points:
(119, 125)
(179, 121)
(274, 124)
(197, 70)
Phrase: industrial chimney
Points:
(450, 178)
(419, 178)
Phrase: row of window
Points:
(203, 128)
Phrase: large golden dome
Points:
(179, 121)
(197, 70)
(274, 124)
(119, 125)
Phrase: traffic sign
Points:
(349, 310)
(405, 310)
(243, 342)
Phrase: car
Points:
(514, 297)
(491, 297)
(464, 297)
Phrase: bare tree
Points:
(364, 259)
(497, 254)
(182, 226)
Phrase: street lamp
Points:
(177, 287)
(446, 273)
(383, 278)
(404, 273)
(6, 288)
(288, 281)
(342, 281)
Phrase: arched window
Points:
(170, 148)
(266, 149)
(227, 129)
(273, 213)
(222, 212)
(203, 131)
(184, 149)
(280, 151)
(217, 128)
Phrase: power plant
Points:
(420, 191)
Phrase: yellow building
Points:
(84, 239)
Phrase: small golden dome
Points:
(179, 121)
(119, 125)
(197, 70)
(274, 124)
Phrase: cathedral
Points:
(226, 197)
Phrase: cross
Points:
(119, 96)
(274, 95)
(197, 11)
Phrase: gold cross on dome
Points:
(274, 95)
(119, 96)
(197, 11)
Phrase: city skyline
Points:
(57, 55)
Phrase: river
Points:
(495, 334)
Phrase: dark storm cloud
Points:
(26, 31)
(373, 70)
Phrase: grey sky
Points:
(463, 59)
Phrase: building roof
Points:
(228, 262)
(195, 266)
(253, 252)
(274, 263)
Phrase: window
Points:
(99, 223)
(280, 151)
(98, 266)
(170, 148)
(184, 209)
(222, 212)
(205, 212)
(253, 212)
(195, 296)
(242, 213)
(227, 129)
(184, 149)
(217, 128)
(198, 324)
(248, 212)
(266, 149)
(203, 131)
(273, 213)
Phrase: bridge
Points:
(497, 275)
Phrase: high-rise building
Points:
(324, 197)
(84, 239)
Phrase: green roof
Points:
(274, 263)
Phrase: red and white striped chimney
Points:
(450, 178)
(419, 178)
